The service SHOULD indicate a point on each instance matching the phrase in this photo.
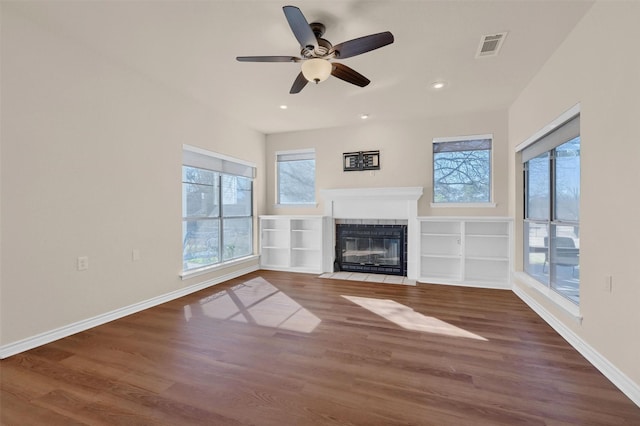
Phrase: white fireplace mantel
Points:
(372, 203)
(375, 203)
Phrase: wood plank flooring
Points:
(274, 348)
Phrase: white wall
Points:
(91, 166)
(599, 66)
(405, 157)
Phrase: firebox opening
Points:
(374, 249)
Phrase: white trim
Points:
(82, 325)
(409, 193)
(466, 218)
(206, 152)
(568, 306)
(185, 275)
(463, 205)
(495, 285)
(563, 118)
(296, 205)
(617, 377)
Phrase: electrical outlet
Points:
(608, 284)
(83, 263)
(135, 255)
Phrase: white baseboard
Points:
(67, 330)
(495, 285)
(617, 377)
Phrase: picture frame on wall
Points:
(361, 160)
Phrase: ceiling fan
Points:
(316, 52)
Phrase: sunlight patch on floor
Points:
(409, 319)
(258, 302)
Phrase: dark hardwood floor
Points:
(273, 348)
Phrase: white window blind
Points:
(295, 155)
(197, 157)
(564, 133)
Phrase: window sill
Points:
(566, 305)
(463, 205)
(185, 275)
(296, 206)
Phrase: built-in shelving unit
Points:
(292, 243)
(466, 251)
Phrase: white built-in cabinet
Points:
(470, 251)
(292, 243)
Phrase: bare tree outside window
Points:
(296, 178)
(462, 171)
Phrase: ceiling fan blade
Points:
(364, 44)
(300, 27)
(298, 84)
(267, 59)
(347, 74)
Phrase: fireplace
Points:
(376, 206)
(373, 249)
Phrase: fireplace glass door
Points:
(377, 249)
(371, 251)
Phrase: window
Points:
(296, 177)
(217, 209)
(462, 170)
(552, 209)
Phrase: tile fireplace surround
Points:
(374, 206)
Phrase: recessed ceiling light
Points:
(438, 85)
(283, 107)
(364, 116)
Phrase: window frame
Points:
(545, 143)
(449, 204)
(294, 155)
(223, 167)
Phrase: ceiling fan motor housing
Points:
(324, 49)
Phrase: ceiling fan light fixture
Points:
(316, 69)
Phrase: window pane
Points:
(200, 243)
(538, 192)
(552, 210)
(237, 238)
(462, 176)
(236, 196)
(195, 175)
(296, 182)
(199, 193)
(567, 183)
(206, 195)
(463, 145)
(565, 261)
(536, 251)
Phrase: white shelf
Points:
(442, 256)
(465, 250)
(487, 236)
(292, 243)
(488, 258)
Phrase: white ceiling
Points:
(190, 47)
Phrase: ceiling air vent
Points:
(490, 44)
